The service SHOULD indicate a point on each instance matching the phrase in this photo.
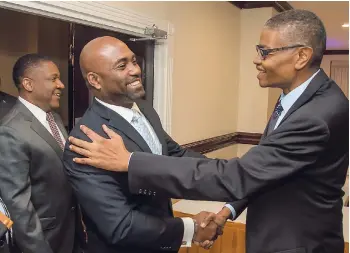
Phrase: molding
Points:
(336, 52)
(279, 6)
(222, 141)
(101, 15)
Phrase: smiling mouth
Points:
(135, 83)
(58, 95)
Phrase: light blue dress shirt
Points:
(287, 102)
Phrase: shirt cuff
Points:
(188, 232)
(233, 211)
(130, 159)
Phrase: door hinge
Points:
(154, 34)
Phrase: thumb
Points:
(207, 220)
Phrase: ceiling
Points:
(333, 15)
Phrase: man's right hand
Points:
(206, 229)
(219, 219)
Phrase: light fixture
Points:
(346, 25)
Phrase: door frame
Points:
(98, 14)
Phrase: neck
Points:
(118, 101)
(299, 79)
(28, 98)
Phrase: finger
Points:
(205, 243)
(208, 219)
(111, 134)
(80, 151)
(91, 134)
(79, 143)
(87, 161)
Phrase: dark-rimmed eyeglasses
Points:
(263, 53)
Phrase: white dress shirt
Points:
(41, 116)
(287, 102)
(127, 114)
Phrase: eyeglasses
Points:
(263, 53)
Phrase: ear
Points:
(94, 80)
(304, 57)
(27, 84)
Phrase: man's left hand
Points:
(108, 154)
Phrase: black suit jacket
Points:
(6, 103)
(33, 184)
(293, 178)
(116, 220)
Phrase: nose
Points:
(257, 60)
(59, 84)
(134, 70)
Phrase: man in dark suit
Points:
(33, 184)
(116, 220)
(293, 179)
(6, 103)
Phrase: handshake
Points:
(208, 226)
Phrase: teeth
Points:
(135, 83)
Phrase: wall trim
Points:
(336, 52)
(222, 141)
(101, 15)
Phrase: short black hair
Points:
(25, 63)
(302, 27)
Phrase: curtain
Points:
(340, 74)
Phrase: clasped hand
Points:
(208, 227)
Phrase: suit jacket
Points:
(33, 184)
(6, 103)
(116, 220)
(293, 178)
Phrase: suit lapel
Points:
(311, 89)
(155, 123)
(118, 123)
(60, 125)
(39, 128)
(309, 92)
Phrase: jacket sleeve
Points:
(175, 150)
(15, 189)
(289, 149)
(106, 200)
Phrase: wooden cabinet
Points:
(232, 241)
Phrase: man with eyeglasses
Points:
(292, 181)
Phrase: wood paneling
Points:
(232, 241)
(222, 141)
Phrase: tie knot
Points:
(135, 115)
(49, 116)
(278, 109)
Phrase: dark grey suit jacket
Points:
(33, 184)
(116, 220)
(6, 103)
(293, 178)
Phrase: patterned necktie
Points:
(138, 122)
(54, 129)
(275, 115)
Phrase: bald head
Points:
(111, 71)
(96, 52)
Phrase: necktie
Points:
(275, 115)
(54, 129)
(138, 122)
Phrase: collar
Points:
(288, 100)
(126, 113)
(39, 113)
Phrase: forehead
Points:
(271, 38)
(117, 51)
(44, 68)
